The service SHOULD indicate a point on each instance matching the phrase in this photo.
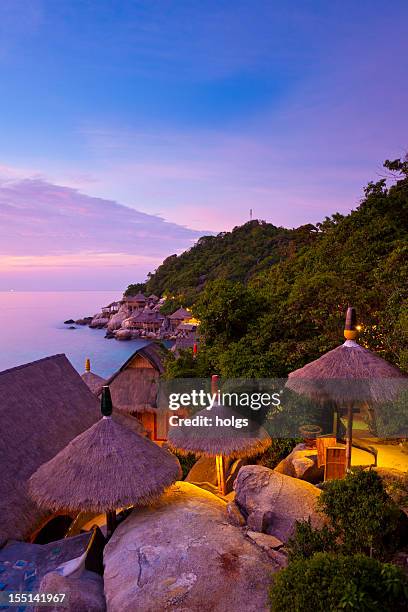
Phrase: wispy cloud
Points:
(40, 218)
(47, 229)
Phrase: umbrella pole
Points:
(349, 436)
(110, 523)
(219, 461)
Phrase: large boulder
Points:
(204, 473)
(99, 321)
(302, 463)
(273, 502)
(182, 554)
(123, 334)
(116, 320)
(83, 592)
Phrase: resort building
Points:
(147, 320)
(134, 303)
(180, 316)
(152, 299)
(111, 308)
(134, 389)
(44, 405)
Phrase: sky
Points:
(130, 128)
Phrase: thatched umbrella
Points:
(217, 441)
(349, 376)
(104, 468)
(93, 381)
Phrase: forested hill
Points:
(237, 256)
(271, 299)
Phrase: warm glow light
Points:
(359, 327)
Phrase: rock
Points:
(264, 540)
(123, 334)
(99, 321)
(69, 322)
(109, 335)
(302, 463)
(83, 592)
(232, 473)
(116, 320)
(72, 327)
(259, 520)
(180, 554)
(84, 321)
(271, 545)
(274, 501)
(234, 515)
(204, 471)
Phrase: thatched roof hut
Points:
(92, 380)
(134, 389)
(219, 441)
(348, 373)
(44, 405)
(350, 376)
(134, 386)
(212, 441)
(104, 468)
(181, 314)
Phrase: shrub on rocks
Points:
(337, 582)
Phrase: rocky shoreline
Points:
(138, 317)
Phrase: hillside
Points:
(271, 299)
(237, 256)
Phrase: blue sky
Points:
(193, 112)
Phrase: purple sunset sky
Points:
(129, 129)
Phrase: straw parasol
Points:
(350, 376)
(93, 381)
(104, 468)
(219, 441)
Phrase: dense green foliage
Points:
(337, 582)
(362, 515)
(278, 450)
(307, 541)
(134, 289)
(293, 310)
(362, 518)
(271, 299)
(236, 255)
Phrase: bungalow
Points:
(134, 303)
(111, 308)
(152, 299)
(134, 390)
(147, 320)
(180, 316)
(43, 406)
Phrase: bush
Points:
(307, 541)
(337, 582)
(186, 461)
(279, 449)
(362, 515)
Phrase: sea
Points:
(32, 327)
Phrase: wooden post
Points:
(110, 523)
(349, 436)
(219, 462)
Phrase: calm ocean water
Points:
(32, 326)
